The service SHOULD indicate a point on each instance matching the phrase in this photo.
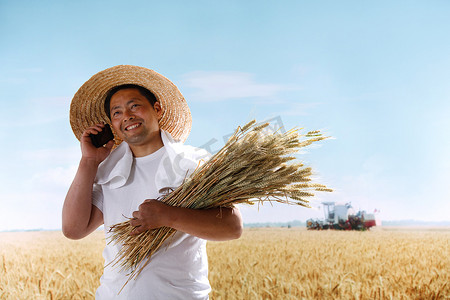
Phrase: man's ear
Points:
(158, 109)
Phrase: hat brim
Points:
(87, 107)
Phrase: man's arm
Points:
(79, 216)
(216, 224)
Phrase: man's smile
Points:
(132, 126)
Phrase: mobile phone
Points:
(101, 138)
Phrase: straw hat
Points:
(87, 107)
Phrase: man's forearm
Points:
(77, 209)
(216, 224)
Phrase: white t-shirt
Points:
(179, 270)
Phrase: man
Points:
(149, 114)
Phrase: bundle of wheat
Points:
(251, 168)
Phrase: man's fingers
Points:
(137, 230)
(89, 131)
(135, 222)
(97, 128)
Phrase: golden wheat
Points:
(299, 264)
(45, 265)
(264, 263)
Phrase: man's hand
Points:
(89, 151)
(151, 214)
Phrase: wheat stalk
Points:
(251, 168)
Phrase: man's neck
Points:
(153, 145)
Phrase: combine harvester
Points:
(342, 217)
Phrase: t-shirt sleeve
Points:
(97, 196)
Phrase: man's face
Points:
(133, 118)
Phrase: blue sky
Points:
(374, 75)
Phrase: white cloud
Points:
(31, 210)
(53, 155)
(297, 108)
(48, 110)
(48, 102)
(38, 111)
(55, 177)
(38, 202)
(218, 86)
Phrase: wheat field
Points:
(269, 263)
